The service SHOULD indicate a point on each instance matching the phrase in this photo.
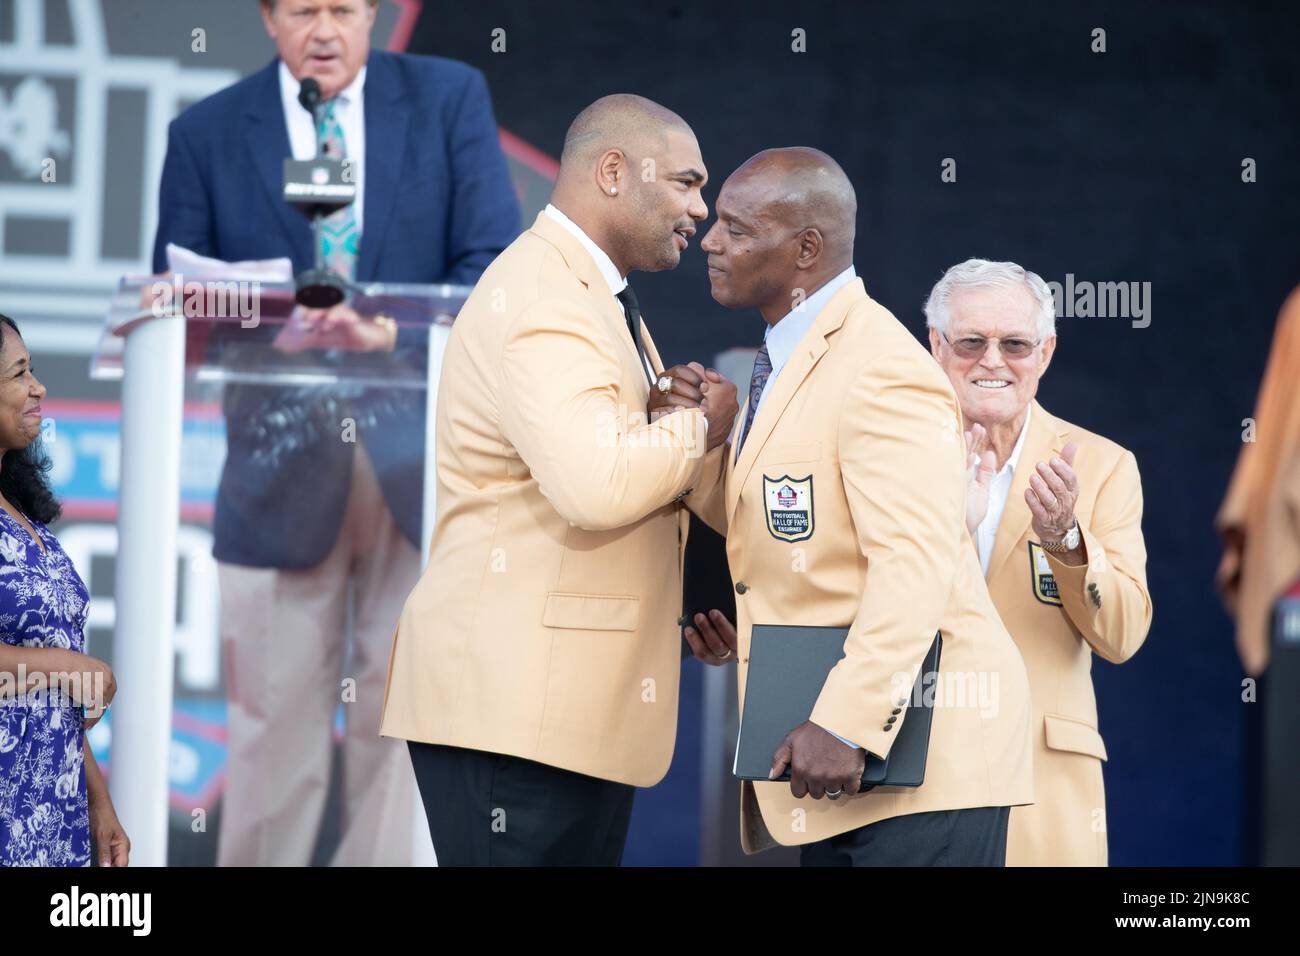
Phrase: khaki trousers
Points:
(283, 636)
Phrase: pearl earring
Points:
(613, 190)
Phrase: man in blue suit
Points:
(314, 509)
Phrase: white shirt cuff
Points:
(847, 743)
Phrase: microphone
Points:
(309, 94)
(318, 187)
(309, 98)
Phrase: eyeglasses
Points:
(974, 346)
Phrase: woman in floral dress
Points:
(54, 805)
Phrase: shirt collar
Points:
(289, 88)
(604, 263)
(782, 338)
(1020, 442)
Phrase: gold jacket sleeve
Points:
(1107, 598)
(601, 465)
(901, 458)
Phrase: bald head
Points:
(622, 121)
(786, 220)
(631, 177)
(803, 188)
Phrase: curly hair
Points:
(24, 472)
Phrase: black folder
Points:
(706, 580)
(787, 668)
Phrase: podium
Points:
(171, 342)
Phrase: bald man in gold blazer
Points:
(861, 417)
(535, 665)
(844, 507)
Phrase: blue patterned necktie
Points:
(762, 370)
(340, 237)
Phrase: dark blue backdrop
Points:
(1115, 166)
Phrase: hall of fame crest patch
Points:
(1042, 580)
(788, 506)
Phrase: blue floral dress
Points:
(43, 603)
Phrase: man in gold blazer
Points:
(1056, 515)
(1261, 541)
(535, 666)
(850, 423)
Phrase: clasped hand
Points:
(694, 386)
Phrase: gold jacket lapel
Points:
(584, 267)
(1043, 441)
(801, 362)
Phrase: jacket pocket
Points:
(591, 612)
(789, 454)
(1068, 733)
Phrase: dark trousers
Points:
(489, 809)
(974, 837)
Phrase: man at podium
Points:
(320, 515)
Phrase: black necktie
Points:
(628, 298)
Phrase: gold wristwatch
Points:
(1068, 543)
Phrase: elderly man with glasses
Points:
(1056, 515)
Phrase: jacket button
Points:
(891, 720)
(898, 710)
(683, 620)
(887, 728)
(741, 587)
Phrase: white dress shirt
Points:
(783, 337)
(999, 489)
(349, 110)
(604, 264)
